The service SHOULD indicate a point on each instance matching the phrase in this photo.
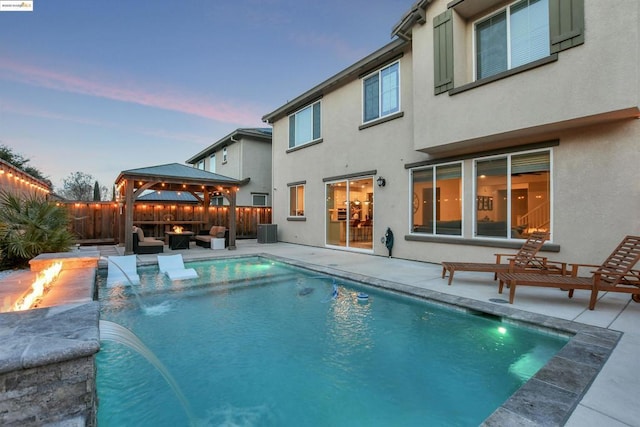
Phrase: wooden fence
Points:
(99, 222)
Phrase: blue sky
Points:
(105, 86)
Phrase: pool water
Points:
(258, 343)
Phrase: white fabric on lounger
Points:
(122, 269)
(173, 266)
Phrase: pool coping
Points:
(552, 394)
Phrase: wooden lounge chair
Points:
(524, 260)
(614, 275)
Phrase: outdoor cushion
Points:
(173, 266)
(122, 269)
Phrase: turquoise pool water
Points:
(258, 343)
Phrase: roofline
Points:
(415, 15)
(132, 173)
(228, 140)
(378, 57)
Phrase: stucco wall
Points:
(256, 164)
(345, 149)
(596, 78)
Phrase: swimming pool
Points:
(257, 342)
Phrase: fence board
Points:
(98, 222)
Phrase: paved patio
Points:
(611, 399)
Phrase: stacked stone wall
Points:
(58, 394)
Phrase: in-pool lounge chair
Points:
(173, 266)
(524, 259)
(614, 275)
(122, 270)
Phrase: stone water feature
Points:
(47, 353)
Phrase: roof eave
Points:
(379, 56)
(226, 140)
(415, 15)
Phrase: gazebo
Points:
(132, 183)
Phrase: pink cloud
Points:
(180, 102)
(327, 42)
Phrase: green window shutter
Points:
(292, 131)
(316, 121)
(566, 24)
(443, 52)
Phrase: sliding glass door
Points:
(349, 213)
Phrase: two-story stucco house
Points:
(244, 154)
(479, 123)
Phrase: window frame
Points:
(509, 156)
(507, 11)
(296, 208)
(212, 163)
(316, 133)
(434, 181)
(378, 74)
(264, 195)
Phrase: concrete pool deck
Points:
(611, 398)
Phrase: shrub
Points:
(29, 226)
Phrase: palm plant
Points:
(29, 226)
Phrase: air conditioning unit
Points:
(267, 233)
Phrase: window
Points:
(437, 199)
(212, 163)
(224, 155)
(381, 92)
(304, 126)
(258, 199)
(514, 36)
(513, 195)
(296, 200)
(217, 201)
(523, 32)
(200, 165)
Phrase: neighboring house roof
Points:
(385, 54)
(178, 171)
(263, 134)
(168, 196)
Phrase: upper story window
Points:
(224, 155)
(304, 125)
(510, 39)
(200, 164)
(516, 35)
(381, 93)
(212, 163)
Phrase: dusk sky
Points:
(105, 86)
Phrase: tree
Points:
(30, 226)
(96, 192)
(77, 186)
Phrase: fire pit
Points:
(48, 338)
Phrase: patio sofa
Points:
(146, 245)
(217, 231)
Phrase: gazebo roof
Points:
(176, 172)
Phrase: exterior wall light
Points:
(381, 181)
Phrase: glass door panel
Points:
(349, 213)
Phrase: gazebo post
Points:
(128, 217)
(206, 203)
(232, 219)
